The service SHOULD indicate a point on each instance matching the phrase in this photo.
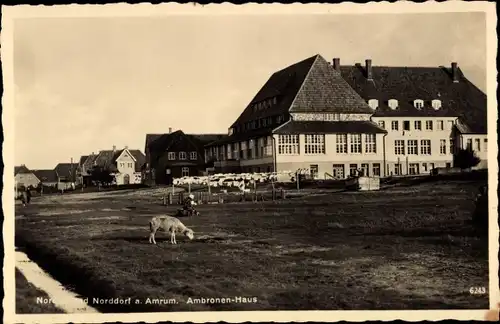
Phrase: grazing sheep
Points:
(168, 224)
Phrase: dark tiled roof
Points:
(83, 158)
(238, 137)
(311, 85)
(46, 175)
(107, 159)
(208, 138)
(140, 159)
(329, 127)
(21, 169)
(151, 138)
(461, 99)
(66, 169)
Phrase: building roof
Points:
(459, 99)
(238, 137)
(21, 169)
(66, 169)
(330, 127)
(149, 139)
(164, 141)
(83, 158)
(46, 175)
(311, 85)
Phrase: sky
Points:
(86, 84)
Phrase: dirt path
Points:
(60, 296)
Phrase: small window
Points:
(193, 156)
(406, 125)
(418, 103)
(171, 155)
(392, 103)
(436, 104)
(373, 103)
(418, 125)
(182, 156)
(395, 125)
(381, 124)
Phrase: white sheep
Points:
(168, 224)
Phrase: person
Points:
(189, 204)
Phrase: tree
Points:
(465, 159)
(101, 176)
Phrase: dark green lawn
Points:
(401, 248)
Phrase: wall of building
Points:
(423, 162)
(126, 167)
(26, 180)
(479, 146)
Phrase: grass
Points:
(26, 298)
(400, 248)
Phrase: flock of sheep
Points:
(240, 180)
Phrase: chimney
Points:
(114, 148)
(454, 71)
(170, 130)
(126, 147)
(368, 68)
(336, 63)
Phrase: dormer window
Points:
(393, 104)
(230, 131)
(418, 103)
(436, 104)
(373, 103)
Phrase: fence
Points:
(205, 197)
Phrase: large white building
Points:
(334, 120)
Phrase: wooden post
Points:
(170, 198)
(297, 179)
(164, 200)
(189, 186)
(181, 198)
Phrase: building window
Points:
(355, 143)
(370, 143)
(185, 171)
(381, 124)
(452, 146)
(338, 171)
(425, 147)
(406, 125)
(428, 124)
(469, 144)
(478, 145)
(194, 155)
(397, 169)
(376, 169)
(341, 143)
(413, 147)
(440, 125)
(353, 169)
(418, 125)
(442, 146)
(395, 125)
(314, 144)
(418, 103)
(314, 171)
(122, 164)
(413, 168)
(365, 169)
(424, 167)
(486, 145)
(171, 155)
(130, 165)
(288, 144)
(399, 147)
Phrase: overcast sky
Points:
(86, 84)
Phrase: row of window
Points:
(477, 144)
(417, 103)
(417, 125)
(260, 123)
(183, 155)
(413, 145)
(315, 144)
(338, 171)
(127, 164)
(264, 104)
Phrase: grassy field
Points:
(26, 298)
(400, 248)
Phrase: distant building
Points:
(174, 155)
(25, 177)
(124, 164)
(47, 177)
(337, 120)
(66, 175)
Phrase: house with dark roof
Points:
(66, 175)
(125, 165)
(47, 177)
(25, 177)
(175, 154)
(337, 120)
